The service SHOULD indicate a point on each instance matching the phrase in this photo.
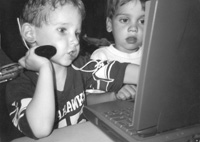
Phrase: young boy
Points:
(50, 93)
(125, 19)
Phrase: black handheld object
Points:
(47, 51)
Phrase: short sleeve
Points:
(19, 94)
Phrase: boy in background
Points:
(125, 19)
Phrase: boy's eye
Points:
(141, 21)
(124, 20)
(62, 30)
(78, 35)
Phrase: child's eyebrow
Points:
(120, 14)
(68, 25)
(126, 14)
(142, 16)
(61, 24)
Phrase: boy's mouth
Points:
(131, 40)
(72, 54)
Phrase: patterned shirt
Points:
(82, 74)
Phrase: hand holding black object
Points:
(11, 71)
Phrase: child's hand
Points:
(32, 61)
(126, 92)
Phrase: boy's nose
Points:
(74, 40)
(133, 28)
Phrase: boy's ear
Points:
(108, 24)
(28, 32)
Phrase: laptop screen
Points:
(168, 93)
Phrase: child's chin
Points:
(67, 63)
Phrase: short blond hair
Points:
(37, 12)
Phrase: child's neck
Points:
(60, 78)
(126, 50)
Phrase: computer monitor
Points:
(168, 94)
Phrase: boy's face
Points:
(127, 26)
(62, 32)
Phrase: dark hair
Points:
(37, 11)
(113, 5)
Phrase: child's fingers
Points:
(126, 92)
(32, 61)
(22, 62)
(132, 90)
(121, 96)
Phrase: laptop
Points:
(167, 103)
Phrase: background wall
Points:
(95, 23)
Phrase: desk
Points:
(84, 132)
(87, 132)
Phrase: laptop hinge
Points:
(147, 132)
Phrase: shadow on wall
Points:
(94, 32)
(11, 40)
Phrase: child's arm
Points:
(40, 112)
(131, 75)
(128, 91)
(95, 98)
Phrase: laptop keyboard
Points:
(122, 119)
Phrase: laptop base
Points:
(187, 134)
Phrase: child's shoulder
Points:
(101, 53)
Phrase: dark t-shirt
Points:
(83, 74)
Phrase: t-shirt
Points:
(83, 74)
(111, 53)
